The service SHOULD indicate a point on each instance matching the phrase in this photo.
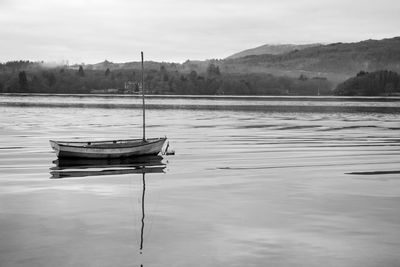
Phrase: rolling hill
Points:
(337, 61)
(271, 49)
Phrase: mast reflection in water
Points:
(75, 168)
(142, 229)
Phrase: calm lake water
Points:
(245, 188)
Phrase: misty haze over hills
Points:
(337, 61)
(295, 72)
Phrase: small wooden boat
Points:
(108, 149)
(111, 148)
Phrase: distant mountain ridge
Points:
(337, 60)
(271, 49)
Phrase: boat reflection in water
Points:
(72, 167)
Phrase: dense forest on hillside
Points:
(382, 82)
(31, 77)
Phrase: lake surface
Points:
(245, 188)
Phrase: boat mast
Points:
(144, 112)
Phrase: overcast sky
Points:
(175, 30)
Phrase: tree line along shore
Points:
(33, 77)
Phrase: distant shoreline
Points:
(212, 103)
(220, 97)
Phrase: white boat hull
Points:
(108, 149)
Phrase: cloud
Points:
(175, 30)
